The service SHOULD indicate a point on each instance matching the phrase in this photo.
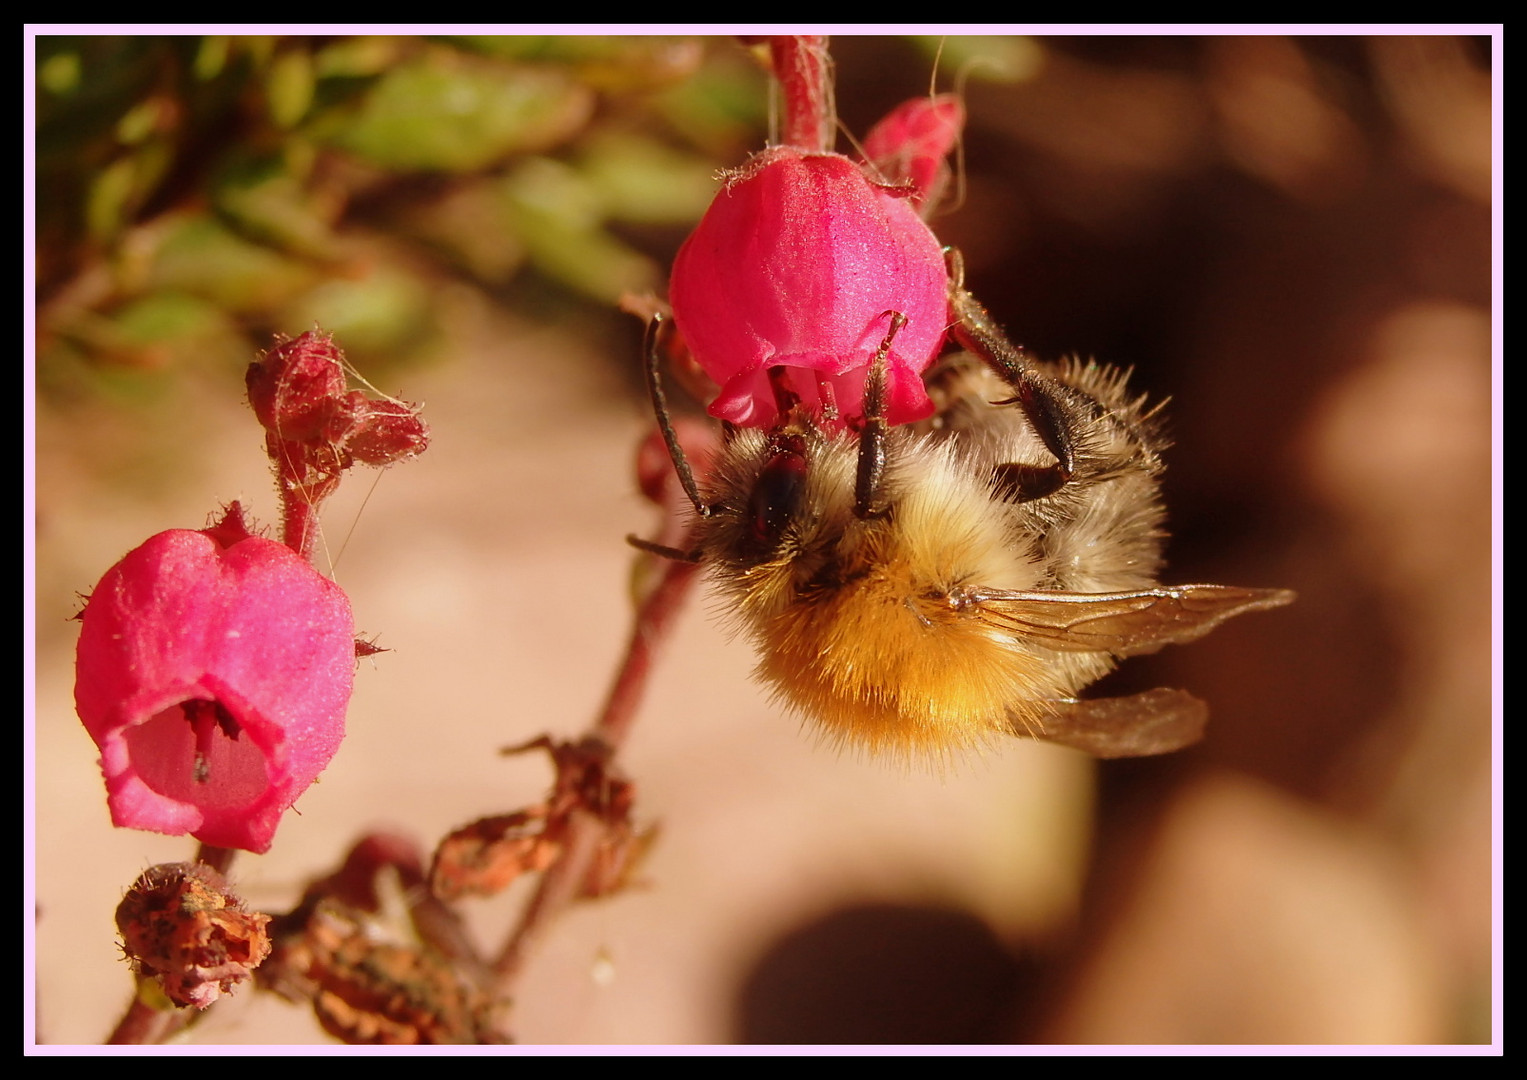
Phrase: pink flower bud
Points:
(213, 671)
(796, 264)
(911, 143)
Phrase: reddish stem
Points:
(302, 490)
(559, 885)
(219, 858)
(804, 70)
(144, 1025)
(299, 523)
(557, 890)
(653, 621)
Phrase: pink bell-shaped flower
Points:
(213, 671)
(796, 264)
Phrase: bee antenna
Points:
(663, 550)
(871, 475)
(650, 346)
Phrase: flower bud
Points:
(182, 926)
(297, 391)
(910, 144)
(797, 264)
(213, 671)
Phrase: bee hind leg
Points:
(1019, 483)
(1043, 401)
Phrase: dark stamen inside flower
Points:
(785, 397)
(208, 720)
(199, 751)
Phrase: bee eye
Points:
(776, 495)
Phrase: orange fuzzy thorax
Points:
(882, 659)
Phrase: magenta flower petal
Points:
(214, 680)
(796, 264)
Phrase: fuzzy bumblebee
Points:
(928, 588)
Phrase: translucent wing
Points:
(1153, 722)
(1124, 623)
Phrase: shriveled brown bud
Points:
(182, 926)
(487, 856)
(366, 991)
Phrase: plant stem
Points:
(560, 883)
(219, 858)
(144, 1025)
(804, 70)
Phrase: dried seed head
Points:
(182, 926)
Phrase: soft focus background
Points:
(1290, 237)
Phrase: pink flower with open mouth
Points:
(213, 671)
(797, 264)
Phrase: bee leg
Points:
(1043, 402)
(1019, 483)
(871, 474)
(664, 422)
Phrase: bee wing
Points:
(1154, 722)
(1124, 623)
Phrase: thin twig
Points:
(561, 882)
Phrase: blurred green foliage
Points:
(196, 195)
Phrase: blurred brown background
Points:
(1290, 237)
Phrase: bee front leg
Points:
(1042, 400)
(653, 355)
(871, 475)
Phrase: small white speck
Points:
(603, 971)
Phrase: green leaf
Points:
(444, 111)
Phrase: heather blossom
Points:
(213, 671)
(798, 264)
